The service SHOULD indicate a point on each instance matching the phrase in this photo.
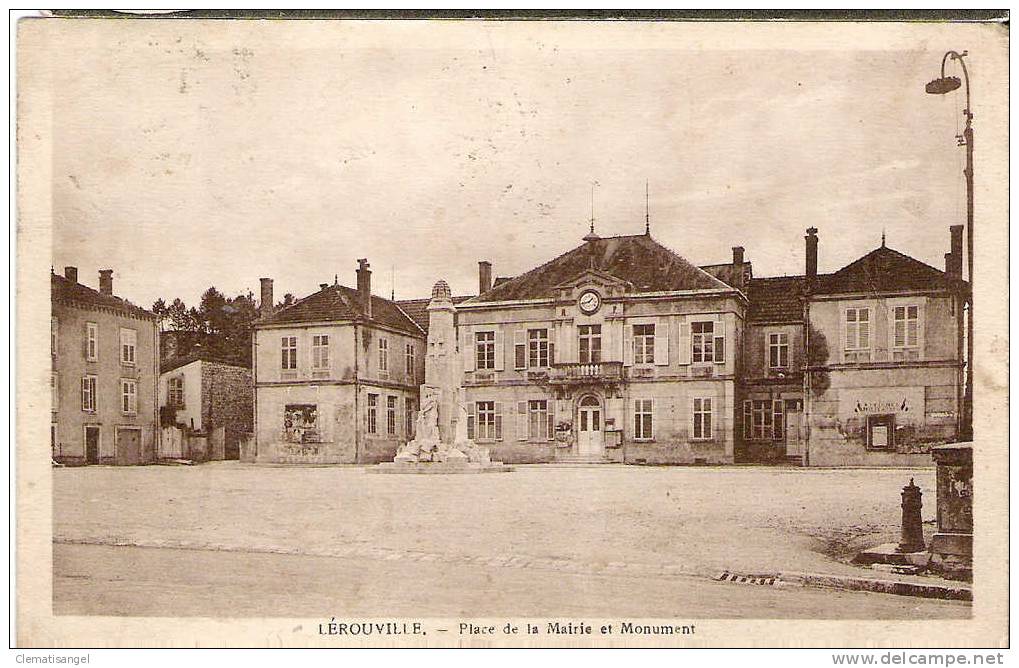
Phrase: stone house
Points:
(884, 341)
(336, 376)
(104, 353)
(617, 350)
(202, 394)
(863, 366)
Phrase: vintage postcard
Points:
(512, 333)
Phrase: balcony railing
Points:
(581, 372)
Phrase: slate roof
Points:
(727, 272)
(417, 309)
(638, 259)
(66, 291)
(340, 303)
(776, 299)
(882, 270)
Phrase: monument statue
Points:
(441, 435)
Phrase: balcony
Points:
(567, 373)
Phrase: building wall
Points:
(227, 397)
(70, 365)
(191, 414)
(756, 362)
(919, 395)
(671, 380)
(335, 440)
(340, 394)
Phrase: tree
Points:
(222, 325)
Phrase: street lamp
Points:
(941, 86)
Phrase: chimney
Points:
(106, 281)
(953, 259)
(323, 286)
(811, 239)
(484, 276)
(267, 306)
(737, 255)
(71, 274)
(364, 286)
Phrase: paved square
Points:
(645, 523)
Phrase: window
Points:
(54, 327)
(88, 394)
(384, 357)
(778, 350)
(128, 396)
(373, 409)
(643, 344)
(764, 419)
(703, 335)
(906, 326)
(320, 354)
(300, 423)
(519, 349)
(408, 358)
(128, 343)
(484, 348)
(391, 415)
(54, 391)
(175, 391)
(91, 341)
(537, 347)
(486, 421)
(643, 419)
(539, 423)
(288, 347)
(590, 343)
(702, 418)
(857, 328)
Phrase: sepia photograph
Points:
(486, 332)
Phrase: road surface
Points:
(134, 581)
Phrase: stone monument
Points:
(441, 443)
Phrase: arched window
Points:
(590, 400)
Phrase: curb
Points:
(900, 588)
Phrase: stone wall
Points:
(227, 397)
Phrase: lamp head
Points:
(943, 85)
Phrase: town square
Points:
(446, 328)
(229, 539)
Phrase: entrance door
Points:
(794, 433)
(589, 434)
(129, 446)
(91, 445)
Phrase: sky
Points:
(189, 154)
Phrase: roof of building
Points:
(66, 291)
(203, 356)
(339, 303)
(417, 309)
(639, 260)
(882, 270)
(727, 272)
(776, 299)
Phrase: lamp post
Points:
(941, 86)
